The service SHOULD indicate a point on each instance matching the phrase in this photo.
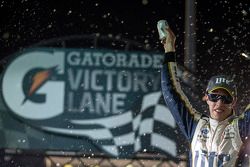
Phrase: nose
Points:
(219, 102)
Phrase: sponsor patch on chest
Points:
(204, 134)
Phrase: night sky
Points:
(222, 28)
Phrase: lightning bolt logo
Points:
(39, 79)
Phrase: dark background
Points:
(222, 29)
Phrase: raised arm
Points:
(178, 103)
(244, 127)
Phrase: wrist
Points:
(169, 57)
(169, 48)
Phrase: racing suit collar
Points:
(214, 122)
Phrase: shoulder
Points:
(244, 119)
(202, 118)
(247, 108)
(246, 113)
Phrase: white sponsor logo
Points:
(12, 85)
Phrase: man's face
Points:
(219, 110)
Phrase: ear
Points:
(205, 98)
(234, 102)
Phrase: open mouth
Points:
(218, 111)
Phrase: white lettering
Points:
(97, 56)
(96, 84)
(87, 59)
(121, 60)
(124, 81)
(103, 103)
(157, 61)
(110, 75)
(114, 59)
(118, 102)
(97, 103)
(108, 80)
(73, 58)
(146, 61)
(86, 80)
(140, 81)
(220, 80)
(109, 59)
(133, 62)
(74, 80)
(87, 102)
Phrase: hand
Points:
(169, 41)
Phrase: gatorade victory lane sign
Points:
(109, 97)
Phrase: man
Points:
(216, 139)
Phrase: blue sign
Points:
(111, 98)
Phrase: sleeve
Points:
(244, 129)
(244, 125)
(185, 115)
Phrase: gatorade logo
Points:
(28, 86)
(34, 80)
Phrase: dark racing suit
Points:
(213, 144)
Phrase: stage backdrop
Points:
(86, 100)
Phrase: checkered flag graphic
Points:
(155, 129)
(148, 128)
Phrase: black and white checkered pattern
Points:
(148, 127)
